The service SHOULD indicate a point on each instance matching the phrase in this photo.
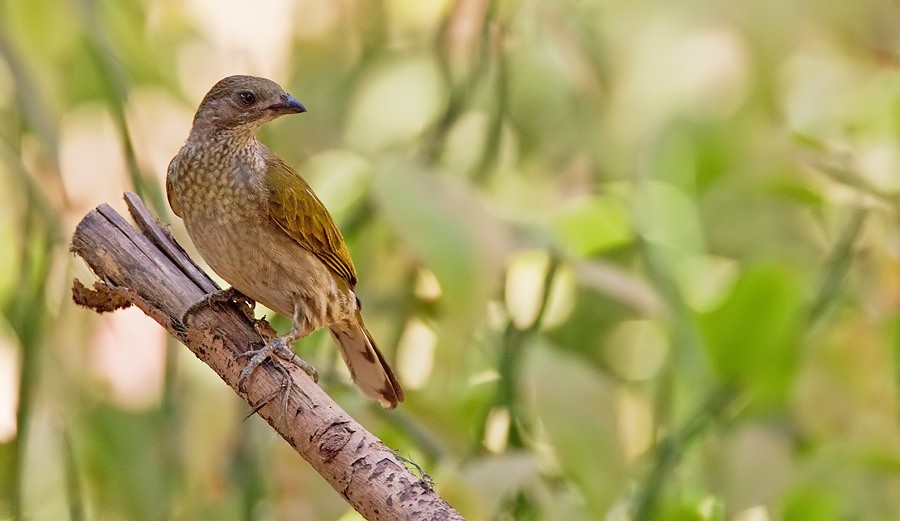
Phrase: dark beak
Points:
(288, 105)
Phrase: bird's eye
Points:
(246, 97)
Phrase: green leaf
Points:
(751, 337)
(811, 504)
(592, 224)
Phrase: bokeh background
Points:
(631, 259)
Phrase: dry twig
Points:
(150, 270)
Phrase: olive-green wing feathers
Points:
(294, 206)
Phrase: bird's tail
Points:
(368, 368)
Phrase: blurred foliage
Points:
(633, 260)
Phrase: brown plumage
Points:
(258, 224)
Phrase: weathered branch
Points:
(151, 271)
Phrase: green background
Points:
(631, 259)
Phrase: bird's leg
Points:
(280, 347)
(223, 296)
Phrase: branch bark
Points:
(150, 270)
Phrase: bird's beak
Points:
(287, 105)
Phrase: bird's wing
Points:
(297, 210)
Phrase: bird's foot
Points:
(274, 348)
(270, 350)
(244, 303)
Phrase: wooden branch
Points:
(151, 271)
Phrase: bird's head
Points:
(243, 103)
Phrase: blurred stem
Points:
(171, 420)
(113, 76)
(246, 471)
(686, 338)
(29, 102)
(375, 27)
(435, 140)
(462, 90)
(837, 266)
(73, 486)
(514, 339)
(670, 450)
(490, 46)
(26, 309)
(36, 119)
(36, 198)
(686, 346)
(26, 313)
(491, 150)
(897, 356)
(413, 430)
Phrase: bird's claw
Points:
(223, 296)
(273, 348)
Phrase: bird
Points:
(258, 224)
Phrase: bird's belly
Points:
(262, 262)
